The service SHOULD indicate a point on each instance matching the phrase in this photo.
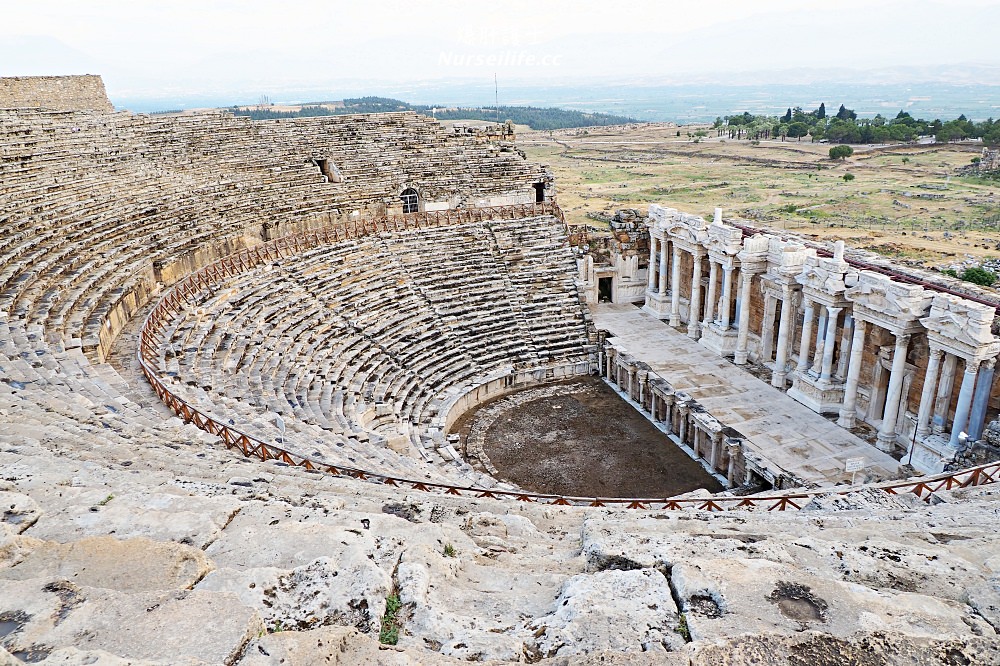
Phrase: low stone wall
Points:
(60, 93)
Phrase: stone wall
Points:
(60, 93)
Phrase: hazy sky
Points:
(229, 45)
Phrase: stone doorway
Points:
(604, 289)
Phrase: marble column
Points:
(675, 291)
(716, 451)
(807, 327)
(767, 328)
(981, 400)
(651, 273)
(845, 346)
(784, 326)
(887, 433)
(848, 412)
(609, 355)
(927, 394)
(734, 452)
(943, 401)
(663, 268)
(742, 338)
(828, 345)
(964, 403)
(817, 365)
(713, 275)
(694, 311)
(727, 296)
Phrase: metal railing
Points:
(185, 293)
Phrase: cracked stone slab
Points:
(813, 648)
(333, 646)
(73, 657)
(157, 626)
(18, 510)
(466, 610)
(621, 611)
(285, 537)
(131, 565)
(14, 547)
(347, 590)
(727, 597)
(189, 519)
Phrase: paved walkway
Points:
(783, 431)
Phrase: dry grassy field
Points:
(907, 202)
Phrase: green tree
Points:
(821, 111)
(787, 118)
(848, 177)
(951, 131)
(992, 138)
(846, 114)
(841, 152)
(797, 130)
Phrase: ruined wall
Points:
(60, 93)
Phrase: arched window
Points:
(411, 202)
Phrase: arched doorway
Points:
(411, 202)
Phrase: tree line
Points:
(534, 117)
(845, 127)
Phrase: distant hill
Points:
(534, 117)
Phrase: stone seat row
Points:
(359, 336)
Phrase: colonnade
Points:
(851, 342)
(693, 428)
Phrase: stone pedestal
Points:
(931, 454)
(820, 395)
(657, 305)
(720, 340)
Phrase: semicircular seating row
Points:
(91, 204)
(364, 342)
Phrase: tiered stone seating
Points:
(368, 339)
(99, 208)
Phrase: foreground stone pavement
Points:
(279, 565)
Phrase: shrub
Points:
(841, 152)
(979, 275)
(389, 633)
(848, 177)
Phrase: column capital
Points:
(903, 339)
(990, 363)
(833, 310)
(936, 352)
